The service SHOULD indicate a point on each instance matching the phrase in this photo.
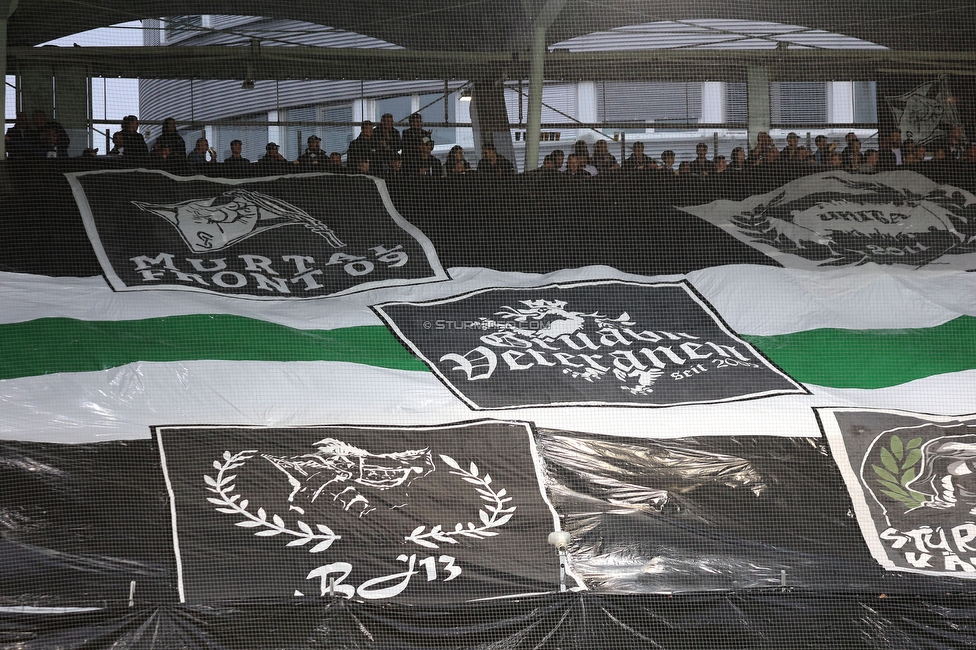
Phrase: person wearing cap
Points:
(313, 153)
(424, 164)
(235, 158)
(272, 157)
(492, 164)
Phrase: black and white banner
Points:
(912, 478)
(602, 343)
(418, 514)
(283, 237)
(926, 113)
(836, 219)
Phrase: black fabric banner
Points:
(913, 480)
(686, 543)
(278, 237)
(443, 514)
(601, 343)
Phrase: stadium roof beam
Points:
(224, 62)
(498, 25)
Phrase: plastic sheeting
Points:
(748, 620)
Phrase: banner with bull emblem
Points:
(591, 343)
(912, 478)
(834, 219)
(417, 514)
(925, 113)
(283, 237)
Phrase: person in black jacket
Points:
(134, 149)
(172, 139)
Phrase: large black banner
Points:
(834, 219)
(912, 478)
(284, 237)
(436, 514)
(606, 343)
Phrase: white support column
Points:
(757, 84)
(586, 104)
(540, 24)
(358, 115)
(275, 133)
(713, 102)
(840, 102)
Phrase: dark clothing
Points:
(887, 159)
(605, 163)
(410, 143)
(318, 158)
(172, 164)
(273, 162)
(851, 160)
(196, 158)
(702, 167)
(240, 160)
(501, 167)
(18, 143)
(362, 149)
(954, 150)
(134, 149)
(176, 144)
(418, 167)
(451, 164)
(636, 164)
(387, 144)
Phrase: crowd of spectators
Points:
(382, 150)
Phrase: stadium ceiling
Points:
(505, 26)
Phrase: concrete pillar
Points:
(714, 102)
(37, 89)
(71, 106)
(537, 56)
(6, 9)
(757, 89)
(840, 102)
(533, 125)
(586, 105)
(3, 75)
(489, 118)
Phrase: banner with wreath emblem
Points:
(833, 219)
(912, 478)
(418, 514)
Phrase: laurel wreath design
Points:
(899, 467)
(232, 504)
(492, 514)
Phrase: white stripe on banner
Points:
(122, 403)
(755, 300)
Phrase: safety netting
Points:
(662, 334)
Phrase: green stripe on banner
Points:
(51, 345)
(872, 358)
(825, 357)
